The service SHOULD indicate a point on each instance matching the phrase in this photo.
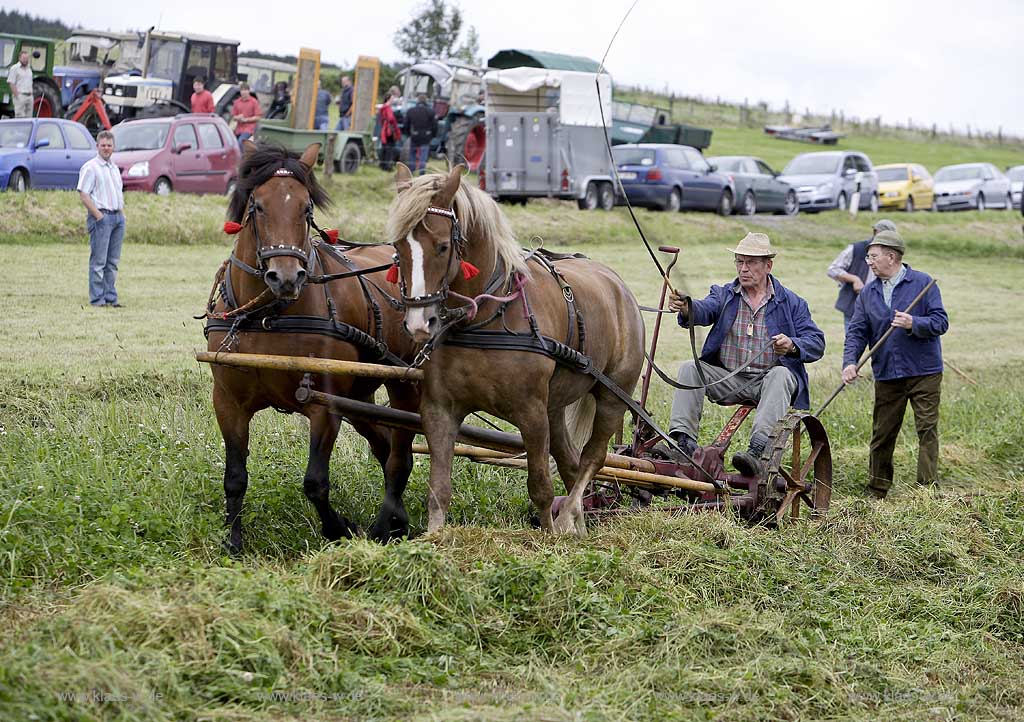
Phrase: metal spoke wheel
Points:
(798, 470)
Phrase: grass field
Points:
(117, 603)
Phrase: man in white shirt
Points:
(99, 187)
(19, 77)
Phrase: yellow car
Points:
(905, 185)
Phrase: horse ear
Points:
(310, 155)
(248, 148)
(451, 185)
(403, 177)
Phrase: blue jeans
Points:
(343, 123)
(418, 155)
(320, 122)
(242, 137)
(105, 238)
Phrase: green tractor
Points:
(45, 93)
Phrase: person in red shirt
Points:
(202, 99)
(245, 112)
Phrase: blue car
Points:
(671, 177)
(42, 153)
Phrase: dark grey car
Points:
(757, 185)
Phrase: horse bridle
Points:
(456, 248)
(271, 251)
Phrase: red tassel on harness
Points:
(231, 228)
(469, 270)
(392, 276)
(332, 235)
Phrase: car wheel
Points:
(749, 204)
(162, 187)
(673, 202)
(232, 184)
(909, 206)
(791, 206)
(606, 197)
(589, 201)
(841, 202)
(873, 205)
(725, 203)
(18, 182)
(980, 205)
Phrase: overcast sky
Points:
(941, 61)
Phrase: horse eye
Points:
(442, 249)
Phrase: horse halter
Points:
(456, 248)
(271, 251)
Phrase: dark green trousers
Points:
(891, 399)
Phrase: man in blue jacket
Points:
(907, 367)
(754, 319)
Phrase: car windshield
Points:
(728, 165)
(166, 59)
(958, 174)
(633, 156)
(140, 136)
(14, 135)
(812, 164)
(1016, 174)
(892, 174)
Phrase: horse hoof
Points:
(231, 548)
(388, 531)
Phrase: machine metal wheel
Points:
(467, 141)
(798, 470)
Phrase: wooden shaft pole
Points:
(497, 458)
(303, 364)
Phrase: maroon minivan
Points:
(189, 153)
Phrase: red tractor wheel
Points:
(46, 101)
(476, 144)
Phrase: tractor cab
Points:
(454, 90)
(91, 55)
(172, 61)
(271, 81)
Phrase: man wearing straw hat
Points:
(907, 367)
(758, 326)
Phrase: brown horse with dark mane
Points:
(494, 322)
(269, 304)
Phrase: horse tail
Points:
(579, 420)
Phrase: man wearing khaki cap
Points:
(758, 326)
(907, 367)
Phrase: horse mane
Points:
(478, 214)
(260, 165)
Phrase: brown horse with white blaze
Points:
(445, 230)
(270, 277)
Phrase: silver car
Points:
(829, 180)
(758, 187)
(1016, 176)
(972, 185)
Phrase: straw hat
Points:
(754, 244)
